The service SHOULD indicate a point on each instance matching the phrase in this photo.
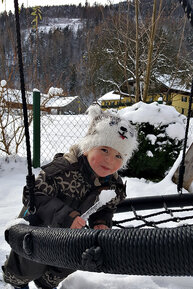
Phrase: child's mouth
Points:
(105, 168)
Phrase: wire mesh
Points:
(62, 127)
(63, 123)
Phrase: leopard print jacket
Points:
(67, 184)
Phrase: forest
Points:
(89, 50)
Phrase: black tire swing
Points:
(160, 251)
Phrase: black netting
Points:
(155, 211)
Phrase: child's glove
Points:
(92, 259)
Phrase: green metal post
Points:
(36, 129)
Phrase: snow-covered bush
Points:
(161, 131)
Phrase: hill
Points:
(88, 50)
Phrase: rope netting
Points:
(156, 211)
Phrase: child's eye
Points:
(104, 150)
(119, 157)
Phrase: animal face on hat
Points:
(108, 129)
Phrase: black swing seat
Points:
(161, 252)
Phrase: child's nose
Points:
(109, 158)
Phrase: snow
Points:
(54, 24)
(13, 171)
(53, 98)
(3, 83)
(153, 113)
(36, 90)
(149, 154)
(54, 91)
(152, 138)
(17, 222)
(14, 95)
(73, 24)
(60, 102)
(106, 196)
(109, 96)
(175, 130)
(173, 83)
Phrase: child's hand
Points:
(78, 223)
(100, 227)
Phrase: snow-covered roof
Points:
(14, 95)
(52, 99)
(172, 83)
(109, 96)
(60, 101)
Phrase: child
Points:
(69, 185)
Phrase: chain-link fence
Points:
(60, 132)
(63, 123)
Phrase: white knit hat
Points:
(108, 129)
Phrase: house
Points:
(49, 103)
(181, 103)
(179, 94)
(65, 105)
(171, 91)
(114, 100)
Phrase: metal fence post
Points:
(36, 128)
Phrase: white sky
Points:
(9, 4)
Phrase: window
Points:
(184, 98)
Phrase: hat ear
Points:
(94, 111)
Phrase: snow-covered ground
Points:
(13, 172)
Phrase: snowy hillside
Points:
(53, 24)
(60, 23)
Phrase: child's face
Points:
(104, 160)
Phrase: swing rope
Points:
(30, 178)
